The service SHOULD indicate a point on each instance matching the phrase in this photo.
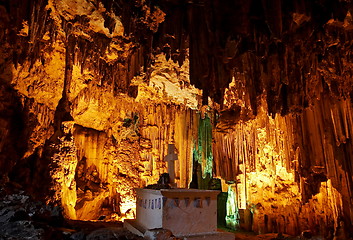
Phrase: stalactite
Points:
(39, 119)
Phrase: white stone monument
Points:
(170, 158)
(187, 213)
(190, 214)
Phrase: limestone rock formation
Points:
(257, 93)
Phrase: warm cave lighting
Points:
(214, 114)
(128, 210)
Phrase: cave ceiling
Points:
(289, 52)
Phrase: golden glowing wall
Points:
(105, 170)
(93, 125)
(96, 109)
(293, 172)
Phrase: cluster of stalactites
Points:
(296, 157)
(291, 52)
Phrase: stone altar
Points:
(187, 213)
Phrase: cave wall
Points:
(86, 114)
(292, 172)
(95, 172)
(283, 135)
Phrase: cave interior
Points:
(255, 95)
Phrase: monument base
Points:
(134, 227)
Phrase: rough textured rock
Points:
(111, 233)
(161, 234)
(21, 217)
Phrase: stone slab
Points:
(134, 227)
(211, 236)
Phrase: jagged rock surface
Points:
(21, 217)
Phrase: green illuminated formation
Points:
(204, 150)
(232, 218)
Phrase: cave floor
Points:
(90, 226)
(116, 230)
(102, 230)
